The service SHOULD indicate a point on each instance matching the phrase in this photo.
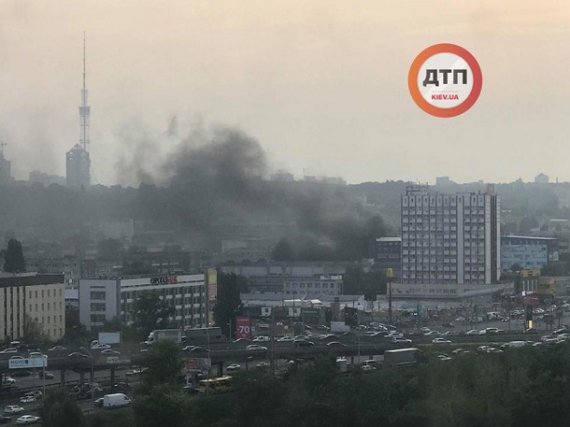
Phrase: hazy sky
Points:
(321, 84)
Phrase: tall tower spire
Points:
(84, 109)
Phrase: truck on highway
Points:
(115, 400)
(164, 334)
(401, 357)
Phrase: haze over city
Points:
(320, 85)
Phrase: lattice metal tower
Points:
(84, 109)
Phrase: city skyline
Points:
(309, 81)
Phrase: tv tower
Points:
(84, 109)
(77, 161)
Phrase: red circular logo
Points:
(445, 80)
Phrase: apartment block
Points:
(450, 238)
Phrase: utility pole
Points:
(389, 274)
(272, 337)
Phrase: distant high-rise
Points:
(77, 161)
(450, 238)
(5, 167)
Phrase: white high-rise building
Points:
(450, 238)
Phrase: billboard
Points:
(243, 327)
(109, 337)
(33, 362)
(198, 364)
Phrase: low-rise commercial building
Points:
(103, 300)
(32, 297)
(313, 286)
(528, 252)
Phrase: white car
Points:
(27, 419)
(472, 332)
(261, 338)
(286, 339)
(99, 346)
(27, 399)
(8, 381)
(441, 341)
(234, 367)
(9, 350)
(13, 409)
(36, 354)
(254, 347)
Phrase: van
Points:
(115, 400)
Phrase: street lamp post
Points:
(389, 274)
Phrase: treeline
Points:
(521, 387)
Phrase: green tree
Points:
(32, 330)
(14, 257)
(164, 361)
(59, 409)
(151, 312)
(228, 303)
(164, 405)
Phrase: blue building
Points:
(529, 252)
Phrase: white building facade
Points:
(104, 300)
(450, 238)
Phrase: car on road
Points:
(261, 338)
(36, 354)
(4, 419)
(234, 367)
(100, 346)
(286, 338)
(335, 344)
(16, 357)
(241, 340)
(9, 350)
(27, 419)
(431, 333)
(304, 343)
(530, 331)
(134, 371)
(27, 399)
(57, 349)
(255, 347)
(440, 340)
(13, 409)
(195, 349)
(424, 329)
(109, 352)
(494, 331)
(36, 394)
(330, 337)
(472, 332)
(8, 381)
(47, 374)
(397, 340)
(77, 355)
(263, 365)
(99, 402)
